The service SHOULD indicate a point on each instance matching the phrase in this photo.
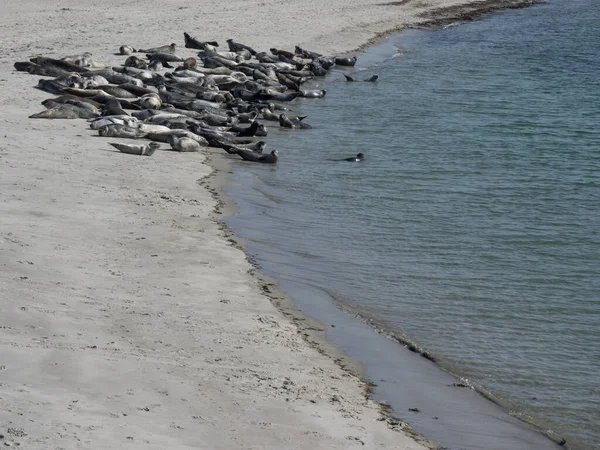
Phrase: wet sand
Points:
(129, 317)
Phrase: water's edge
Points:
(313, 331)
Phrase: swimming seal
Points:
(133, 149)
(313, 93)
(371, 79)
(357, 158)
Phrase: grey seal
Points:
(126, 50)
(80, 110)
(345, 61)
(313, 93)
(294, 123)
(133, 149)
(236, 47)
(192, 42)
(121, 131)
(267, 114)
(255, 129)
(171, 49)
(247, 155)
(183, 144)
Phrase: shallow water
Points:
(473, 227)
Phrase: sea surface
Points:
(473, 226)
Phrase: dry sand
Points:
(127, 318)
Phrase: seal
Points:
(294, 123)
(97, 123)
(134, 61)
(357, 158)
(371, 79)
(231, 148)
(133, 149)
(171, 49)
(68, 111)
(317, 69)
(255, 129)
(150, 101)
(192, 42)
(247, 155)
(113, 108)
(126, 50)
(183, 144)
(267, 114)
(236, 47)
(345, 61)
(120, 131)
(306, 53)
(164, 136)
(66, 98)
(164, 58)
(277, 52)
(271, 94)
(313, 93)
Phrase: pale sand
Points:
(127, 320)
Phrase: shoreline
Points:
(81, 279)
(318, 337)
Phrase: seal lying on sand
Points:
(183, 144)
(121, 131)
(371, 79)
(247, 155)
(236, 47)
(80, 110)
(133, 149)
(162, 49)
(126, 50)
(192, 42)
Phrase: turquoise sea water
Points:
(473, 227)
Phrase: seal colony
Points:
(212, 98)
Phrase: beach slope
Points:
(127, 318)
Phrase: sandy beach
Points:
(129, 317)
